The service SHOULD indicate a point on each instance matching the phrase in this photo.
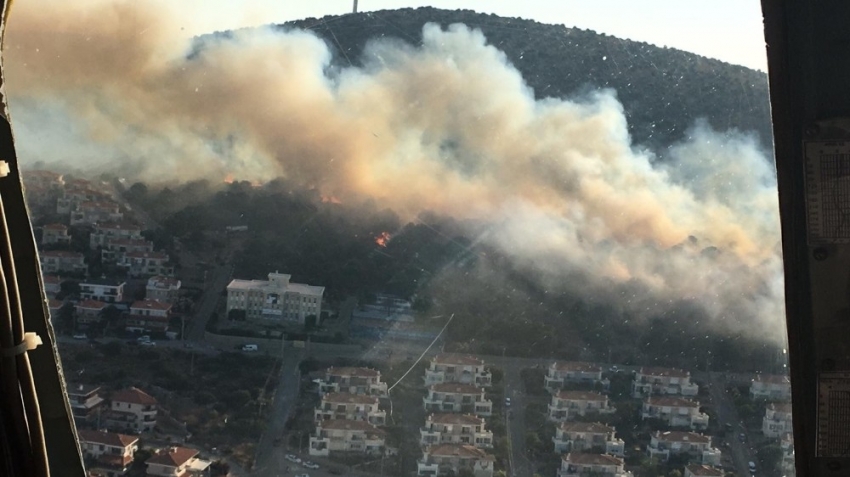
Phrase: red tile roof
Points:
(456, 388)
(592, 459)
(458, 450)
(92, 304)
(61, 254)
(173, 457)
(679, 436)
(455, 419)
(51, 279)
(133, 396)
(106, 438)
(156, 255)
(55, 227)
(55, 304)
(670, 401)
(704, 471)
(581, 396)
(150, 305)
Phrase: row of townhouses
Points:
(110, 454)
(129, 410)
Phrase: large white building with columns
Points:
(275, 300)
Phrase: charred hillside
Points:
(663, 90)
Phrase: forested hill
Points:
(663, 90)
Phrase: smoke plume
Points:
(448, 126)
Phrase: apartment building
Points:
(771, 387)
(103, 289)
(675, 411)
(52, 234)
(566, 405)
(453, 368)
(455, 429)
(587, 437)
(55, 308)
(697, 447)
(352, 380)
(56, 261)
(52, 285)
(346, 436)
(146, 264)
(85, 401)
(92, 212)
(116, 249)
(177, 462)
(164, 289)
(132, 410)
(276, 299)
(106, 231)
(651, 381)
(699, 470)
(148, 316)
(592, 465)
(561, 373)
(350, 407)
(112, 453)
(453, 397)
(777, 420)
(87, 313)
(443, 459)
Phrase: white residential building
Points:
(453, 368)
(148, 316)
(112, 453)
(560, 373)
(566, 405)
(87, 313)
(55, 234)
(55, 261)
(85, 401)
(443, 459)
(91, 212)
(52, 285)
(453, 397)
(275, 299)
(595, 465)
(116, 249)
(351, 407)
(699, 470)
(697, 446)
(772, 387)
(777, 420)
(104, 289)
(346, 436)
(104, 232)
(146, 264)
(652, 381)
(177, 462)
(587, 436)
(352, 380)
(164, 289)
(133, 410)
(455, 429)
(675, 411)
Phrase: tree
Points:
(310, 322)
(219, 468)
(236, 315)
(112, 349)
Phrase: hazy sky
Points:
(729, 30)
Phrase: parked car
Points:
(292, 458)
(80, 336)
(142, 339)
(148, 343)
(249, 347)
(507, 402)
(311, 465)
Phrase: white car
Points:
(80, 336)
(292, 458)
(507, 402)
(311, 465)
(148, 343)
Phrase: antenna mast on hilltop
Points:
(355, 7)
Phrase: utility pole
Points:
(355, 7)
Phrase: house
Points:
(771, 387)
(88, 313)
(587, 436)
(85, 401)
(115, 249)
(352, 407)
(453, 397)
(652, 381)
(445, 459)
(103, 289)
(699, 470)
(560, 373)
(104, 232)
(92, 212)
(675, 411)
(145, 264)
(132, 410)
(42, 179)
(777, 420)
(697, 446)
(55, 234)
(52, 285)
(353, 381)
(453, 368)
(455, 429)
(148, 316)
(276, 299)
(111, 453)
(55, 307)
(339, 435)
(55, 261)
(566, 405)
(177, 462)
(163, 289)
(70, 198)
(595, 465)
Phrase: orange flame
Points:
(329, 199)
(228, 179)
(383, 239)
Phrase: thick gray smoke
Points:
(448, 126)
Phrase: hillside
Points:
(663, 90)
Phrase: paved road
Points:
(217, 281)
(519, 464)
(727, 413)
